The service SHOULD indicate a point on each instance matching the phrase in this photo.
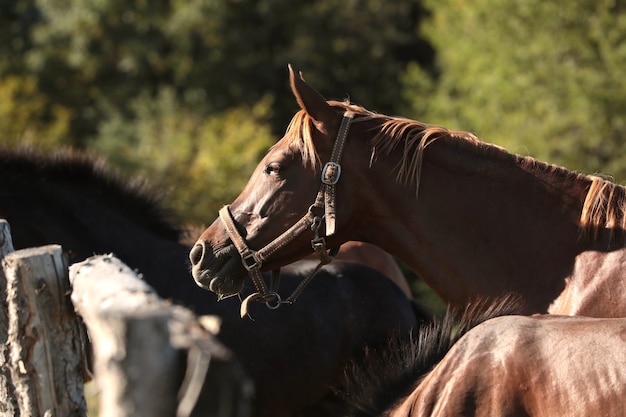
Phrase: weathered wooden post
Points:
(6, 243)
(8, 405)
(152, 358)
(44, 336)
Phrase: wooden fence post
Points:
(8, 405)
(44, 336)
(6, 243)
(152, 358)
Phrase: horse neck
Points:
(482, 224)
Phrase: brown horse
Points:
(293, 354)
(472, 220)
(512, 366)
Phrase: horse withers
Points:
(472, 220)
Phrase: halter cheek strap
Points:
(332, 172)
(253, 260)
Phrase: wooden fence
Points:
(148, 357)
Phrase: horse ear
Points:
(311, 101)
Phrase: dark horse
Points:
(294, 354)
(515, 366)
(472, 220)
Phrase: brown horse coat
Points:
(528, 366)
(539, 366)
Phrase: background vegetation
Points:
(192, 92)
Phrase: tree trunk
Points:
(44, 335)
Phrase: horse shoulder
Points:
(462, 384)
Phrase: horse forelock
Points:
(299, 133)
(298, 136)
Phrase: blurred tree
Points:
(26, 113)
(26, 116)
(145, 70)
(202, 162)
(91, 56)
(17, 18)
(540, 78)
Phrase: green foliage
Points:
(89, 56)
(127, 78)
(26, 116)
(203, 162)
(540, 78)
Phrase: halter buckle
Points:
(331, 173)
(250, 265)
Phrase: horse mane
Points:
(82, 169)
(385, 377)
(604, 206)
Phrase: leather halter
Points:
(253, 260)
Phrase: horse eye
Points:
(273, 168)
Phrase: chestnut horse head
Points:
(471, 219)
(289, 207)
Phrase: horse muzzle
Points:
(218, 271)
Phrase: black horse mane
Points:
(387, 376)
(136, 196)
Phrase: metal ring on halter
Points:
(278, 301)
(314, 206)
(327, 177)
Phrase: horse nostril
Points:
(196, 254)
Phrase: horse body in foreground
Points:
(293, 354)
(538, 366)
(472, 220)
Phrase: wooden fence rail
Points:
(151, 358)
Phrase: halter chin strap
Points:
(252, 260)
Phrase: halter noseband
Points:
(252, 260)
